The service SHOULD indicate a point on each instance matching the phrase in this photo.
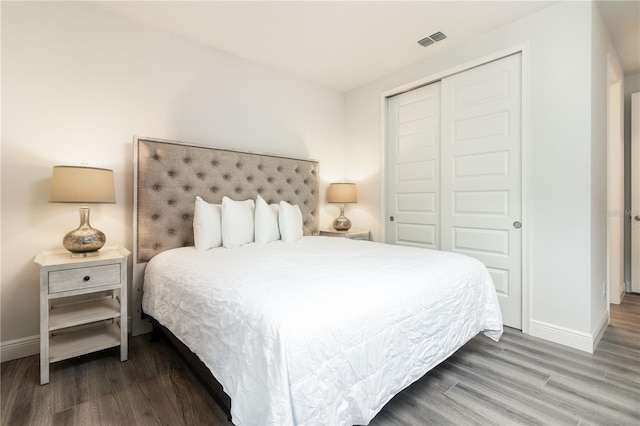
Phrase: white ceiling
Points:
(622, 19)
(343, 45)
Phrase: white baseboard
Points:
(19, 348)
(599, 329)
(25, 346)
(565, 336)
(623, 291)
(616, 297)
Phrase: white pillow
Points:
(207, 231)
(237, 222)
(290, 220)
(266, 221)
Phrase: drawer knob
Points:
(86, 278)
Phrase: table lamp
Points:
(342, 193)
(84, 185)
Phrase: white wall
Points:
(78, 83)
(565, 240)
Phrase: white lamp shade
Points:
(75, 184)
(342, 193)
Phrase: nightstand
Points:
(353, 234)
(83, 304)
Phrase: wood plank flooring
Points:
(519, 381)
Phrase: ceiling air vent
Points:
(439, 36)
(427, 41)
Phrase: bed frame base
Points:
(196, 366)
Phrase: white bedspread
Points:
(320, 331)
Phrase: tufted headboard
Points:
(169, 175)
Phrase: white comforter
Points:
(323, 330)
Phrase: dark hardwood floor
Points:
(520, 380)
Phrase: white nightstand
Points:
(83, 304)
(353, 234)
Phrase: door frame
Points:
(615, 123)
(524, 50)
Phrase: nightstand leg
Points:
(123, 349)
(124, 341)
(44, 340)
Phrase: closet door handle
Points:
(517, 224)
(391, 218)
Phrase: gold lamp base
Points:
(84, 241)
(342, 223)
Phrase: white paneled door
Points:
(456, 183)
(413, 158)
(481, 174)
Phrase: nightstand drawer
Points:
(79, 278)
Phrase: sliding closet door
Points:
(635, 192)
(481, 177)
(413, 167)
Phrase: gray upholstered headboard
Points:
(169, 175)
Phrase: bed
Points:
(316, 330)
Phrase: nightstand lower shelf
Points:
(83, 341)
(84, 313)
